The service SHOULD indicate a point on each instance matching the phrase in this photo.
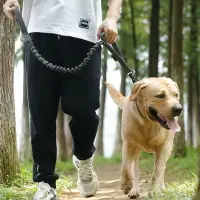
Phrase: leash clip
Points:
(131, 75)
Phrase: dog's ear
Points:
(138, 86)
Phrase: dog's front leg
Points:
(161, 156)
(126, 172)
(135, 191)
(129, 178)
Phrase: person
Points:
(63, 32)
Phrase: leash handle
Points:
(20, 20)
(114, 45)
(117, 55)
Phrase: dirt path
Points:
(109, 185)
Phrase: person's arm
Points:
(7, 8)
(114, 9)
(109, 25)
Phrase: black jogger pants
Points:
(79, 95)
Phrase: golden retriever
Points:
(149, 121)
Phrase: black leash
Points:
(113, 49)
(118, 57)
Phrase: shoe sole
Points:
(91, 194)
(88, 196)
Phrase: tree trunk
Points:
(61, 137)
(154, 39)
(118, 138)
(177, 70)
(195, 75)
(169, 36)
(190, 94)
(193, 79)
(197, 111)
(9, 165)
(131, 4)
(100, 149)
(25, 144)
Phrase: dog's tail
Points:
(117, 97)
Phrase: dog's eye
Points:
(176, 95)
(160, 96)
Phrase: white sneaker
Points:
(45, 192)
(87, 182)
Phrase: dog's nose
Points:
(177, 110)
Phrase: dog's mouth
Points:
(167, 123)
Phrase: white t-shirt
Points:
(76, 18)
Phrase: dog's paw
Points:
(133, 194)
(126, 189)
(126, 186)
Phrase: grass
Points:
(180, 165)
(22, 188)
(102, 160)
(181, 174)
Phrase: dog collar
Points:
(139, 109)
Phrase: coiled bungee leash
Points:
(117, 56)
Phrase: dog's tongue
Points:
(173, 125)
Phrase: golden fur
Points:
(141, 131)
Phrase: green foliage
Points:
(62, 167)
(102, 160)
(141, 13)
(182, 172)
(184, 167)
(23, 188)
(178, 191)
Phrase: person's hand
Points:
(109, 27)
(7, 8)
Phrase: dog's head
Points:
(158, 100)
